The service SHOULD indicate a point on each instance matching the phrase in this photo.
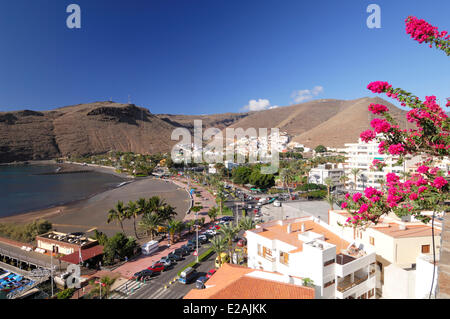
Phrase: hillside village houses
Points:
(309, 248)
(403, 252)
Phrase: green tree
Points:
(247, 223)
(241, 174)
(133, 211)
(150, 223)
(218, 245)
(212, 213)
(117, 214)
(320, 149)
(356, 172)
(228, 232)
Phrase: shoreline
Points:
(55, 209)
(90, 213)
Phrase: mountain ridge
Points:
(94, 128)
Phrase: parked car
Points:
(241, 242)
(166, 262)
(143, 275)
(181, 252)
(174, 257)
(203, 239)
(277, 203)
(210, 273)
(207, 234)
(156, 267)
(200, 283)
(212, 232)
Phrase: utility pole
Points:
(196, 228)
(51, 265)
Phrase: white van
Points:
(277, 203)
(150, 247)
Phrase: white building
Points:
(319, 174)
(398, 245)
(308, 248)
(361, 155)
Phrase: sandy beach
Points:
(91, 213)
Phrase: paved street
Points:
(154, 289)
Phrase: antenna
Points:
(129, 99)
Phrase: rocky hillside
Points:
(103, 126)
(81, 129)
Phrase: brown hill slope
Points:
(81, 129)
(294, 119)
(346, 126)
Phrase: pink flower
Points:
(380, 126)
(439, 182)
(367, 136)
(370, 191)
(356, 197)
(423, 169)
(413, 196)
(344, 205)
(392, 178)
(378, 108)
(378, 86)
(363, 208)
(396, 149)
(374, 199)
(347, 196)
(422, 189)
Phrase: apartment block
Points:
(398, 245)
(308, 248)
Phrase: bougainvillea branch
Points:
(426, 189)
(422, 31)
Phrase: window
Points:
(267, 253)
(425, 249)
(370, 293)
(372, 240)
(329, 262)
(329, 283)
(284, 258)
(259, 250)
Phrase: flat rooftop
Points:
(280, 232)
(73, 239)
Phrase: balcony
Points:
(346, 284)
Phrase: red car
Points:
(157, 267)
(210, 273)
(241, 242)
(217, 227)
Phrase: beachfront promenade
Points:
(206, 200)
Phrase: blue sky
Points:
(203, 56)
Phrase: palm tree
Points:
(133, 211)
(220, 197)
(218, 246)
(150, 223)
(212, 213)
(228, 231)
(287, 175)
(355, 172)
(174, 226)
(247, 223)
(118, 213)
(330, 200)
(343, 179)
(329, 182)
(189, 224)
(143, 206)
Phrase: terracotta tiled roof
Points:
(394, 230)
(279, 232)
(232, 282)
(86, 254)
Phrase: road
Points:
(155, 288)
